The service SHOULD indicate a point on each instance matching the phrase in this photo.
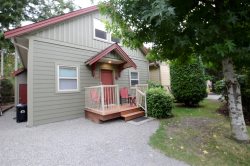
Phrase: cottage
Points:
(72, 66)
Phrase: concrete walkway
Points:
(78, 142)
(213, 97)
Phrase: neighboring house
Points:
(160, 73)
(67, 61)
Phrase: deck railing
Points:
(167, 88)
(107, 97)
(101, 98)
(142, 87)
(141, 98)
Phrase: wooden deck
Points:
(4, 108)
(125, 111)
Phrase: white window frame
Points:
(102, 29)
(130, 78)
(70, 78)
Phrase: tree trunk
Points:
(238, 126)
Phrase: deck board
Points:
(113, 109)
(109, 113)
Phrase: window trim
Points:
(108, 34)
(130, 78)
(77, 78)
(94, 27)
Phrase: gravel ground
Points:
(78, 142)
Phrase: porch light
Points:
(109, 61)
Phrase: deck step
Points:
(133, 115)
(130, 111)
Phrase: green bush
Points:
(7, 90)
(159, 103)
(152, 84)
(220, 88)
(188, 84)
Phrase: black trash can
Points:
(21, 113)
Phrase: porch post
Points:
(136, 96)
(117, 95)
(102, 98)
(2, 63)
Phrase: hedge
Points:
(159, 103)
(6, 90)
(188, 83)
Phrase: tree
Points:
(13, 12)
(217, 30)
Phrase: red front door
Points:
(107, 79)
(23, 93)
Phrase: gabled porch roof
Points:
(113, 48)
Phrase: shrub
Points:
(188, 82)
(7, 91)
(220, 88)
(152, 84)
(159, 103)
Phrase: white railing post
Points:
(102, 98)
(118, 95)
(136, 96)
(146, 105)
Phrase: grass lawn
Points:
(200, 136)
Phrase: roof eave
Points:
(42, 24)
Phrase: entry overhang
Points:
(127, 61)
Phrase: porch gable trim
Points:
(114, 47)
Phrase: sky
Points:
(85, 3)
(81, 3)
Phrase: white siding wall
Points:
(70, 42)
(155, 74)
(165, 74)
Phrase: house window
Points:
(68, 79)
(99, 29)
(134, 78)
(115, 39)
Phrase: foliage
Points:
(9, 64)
(159, 103)
(220, 87)
(213, 73)
(188, 82)
(152, 84)
(13, 12)
(216, 30)
(7, 90)
(213, 29)
(245, 93)
(200, 135)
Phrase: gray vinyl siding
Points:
(80, 32)
(75, 36)
(48, 105)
